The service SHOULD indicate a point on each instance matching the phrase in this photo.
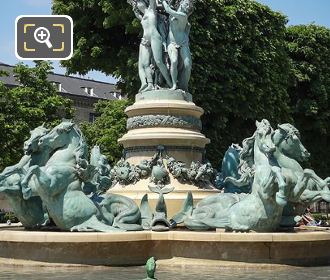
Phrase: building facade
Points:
(83, 92)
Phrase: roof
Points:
(69, 84)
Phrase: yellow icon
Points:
(60, 49)
(27, 49)
(26, 25)
(59, 25)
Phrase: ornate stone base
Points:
(169, 119)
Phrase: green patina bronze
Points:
(151, 269)
(144, 121)
(261, 210)
(30, 212)
(164, 94)
(165, 35)
(198, 174)
(265, 185)
(100, 181)
(280, 192)
(60, 180)
(303, 186)
(158, 168)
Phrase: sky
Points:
(297, 11)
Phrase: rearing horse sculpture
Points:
(58, 182)
(303, 185)
(259, 211)
(29, 212)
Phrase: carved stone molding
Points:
(188, 122)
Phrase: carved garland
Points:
(189, 122)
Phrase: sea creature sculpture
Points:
(121, 212)
(151, 269)
(230, 168)
(261, 210)
(154, 220)
(59, 182)
(101, 180)
(303, 185)
(31, 212)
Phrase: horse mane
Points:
(84, 169)
(246, 167)
(246, 160)
(246, 155)
(81, 150)
(40, 130)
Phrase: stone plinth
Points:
(167, 118)
(170, 119)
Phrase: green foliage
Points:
(108, 127)
(6, 215)
(240, 69)
(27, 106)
(10, 216)
(309, 51)
(105, 38)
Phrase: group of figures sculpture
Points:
(278, 189)
(54, 180)
(57, 179)
(164, 54)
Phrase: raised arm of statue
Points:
(172, 12)
(153, 4)
(138, 14)
(153, 43)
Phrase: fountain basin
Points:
(133, 248)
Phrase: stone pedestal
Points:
(169, 119)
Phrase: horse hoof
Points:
(281, 200)
(27, 193)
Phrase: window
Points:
(92, 117)
(58, 86)
(89, 91)
(116, 94)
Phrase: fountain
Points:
(161, 199)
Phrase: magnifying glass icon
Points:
(41, 35)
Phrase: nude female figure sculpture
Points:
(178, 43)
(151, 46)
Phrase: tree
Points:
(27, 106)
(240, 65)
(309, 50)
(108, 127)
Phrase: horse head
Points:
(263, 137)
(287, 139)
(31, 145)
(59, 136)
